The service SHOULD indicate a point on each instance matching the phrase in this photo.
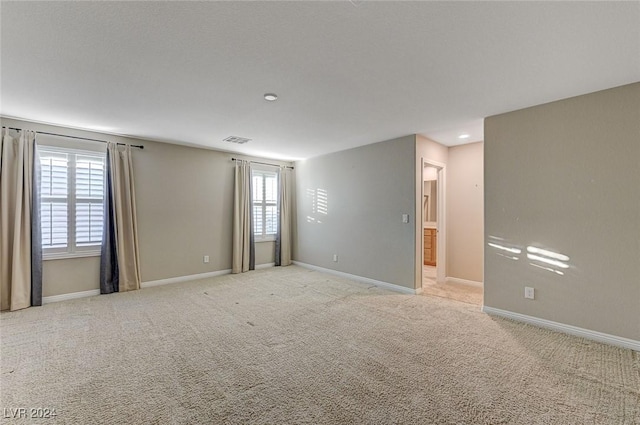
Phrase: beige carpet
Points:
(453, 291)
(292, 346)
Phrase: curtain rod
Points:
(262, 163)
(79, 138)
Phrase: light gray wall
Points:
(431, 150)
(565, 176)
(70, 275)
(367, 190)
(184, 206)
(465, 212)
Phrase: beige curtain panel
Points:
(285, 216)
(126, 225)
(16, 183)
(242, 243)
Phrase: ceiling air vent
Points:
(235, 139)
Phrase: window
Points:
(265, 204)
(72, 201)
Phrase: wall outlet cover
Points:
(529, 292)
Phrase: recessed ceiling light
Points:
(270, 97)
(463, 136)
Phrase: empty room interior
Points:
(320, 212)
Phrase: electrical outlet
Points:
(335, 258)
(529, 292)
(205, 259)
(405, 218)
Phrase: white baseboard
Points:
(464, 281)
(70, 296)
(618, 341)
(149, 284)
(187, 278)
(265, 266)
(386, 285)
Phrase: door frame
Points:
(441, 226)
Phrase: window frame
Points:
(72, 250)
(265, 171)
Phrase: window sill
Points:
(273, 239)
(65, 255)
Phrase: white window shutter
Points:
(265, 203)
(72, 200)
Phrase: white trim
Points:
(386, 285)
(464, 281)
(70, 296)
(187, 278)
(62, 255)
(568, 329)
(265, 266)
(441, 226)
(149, 284)
(267, 238)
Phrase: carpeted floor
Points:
(293, 346)
(451, 290)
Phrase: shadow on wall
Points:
(541, 258)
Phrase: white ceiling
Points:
(347, 74)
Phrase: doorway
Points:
(430, 223)
(457, 226)
(433, 222)
(434, 278)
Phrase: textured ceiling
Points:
(347, 74)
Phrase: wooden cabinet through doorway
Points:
(430, 247)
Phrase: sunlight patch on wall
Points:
(504, 249)
(546, 253)
(318, 199)
(322, 201)
(549, 269)
(551, 261)
(540, 258)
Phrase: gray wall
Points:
(351, 203)
(565, 176)
(465, 212)
(184, 206)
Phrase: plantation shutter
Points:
(54, 198)
(89, 195)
